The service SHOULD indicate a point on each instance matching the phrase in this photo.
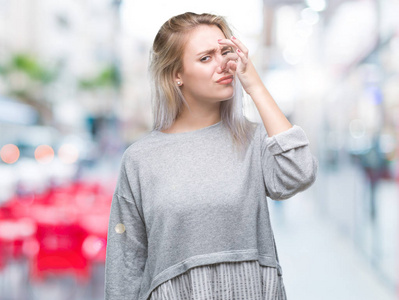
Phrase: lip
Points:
(225, 79)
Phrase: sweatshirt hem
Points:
(212, 258)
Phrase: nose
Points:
(219, 57)
(219, 61)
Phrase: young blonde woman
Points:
(189, 216)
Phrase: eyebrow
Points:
(211, 51)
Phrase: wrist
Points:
(250, 80)
(257, 91)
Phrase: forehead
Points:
(202, 38)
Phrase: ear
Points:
(178, 76)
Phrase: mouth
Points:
(225, 79)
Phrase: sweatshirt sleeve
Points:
(126, 252)
(288, 166)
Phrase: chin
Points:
(229, 95)
(228, 98)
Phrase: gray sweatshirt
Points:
(185, 199)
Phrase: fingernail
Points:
(238, 50)
(219, 40)
(233, 37)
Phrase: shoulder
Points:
(139, 148)
(260, 132)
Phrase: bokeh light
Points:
(9, 153)
(68, 153)
(44, 154)
(92, 246)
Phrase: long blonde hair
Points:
(166, 60)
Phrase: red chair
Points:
(60, 253)
(60, 242)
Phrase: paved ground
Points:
(319, 262)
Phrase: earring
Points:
(178, 83)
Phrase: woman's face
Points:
(201, 58)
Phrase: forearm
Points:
(272, 117)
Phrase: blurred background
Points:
(74, 94)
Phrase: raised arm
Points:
(287, 163)
(273, 119)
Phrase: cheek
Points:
(208, 72)
(200, 77)
(200, 73)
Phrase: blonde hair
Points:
(166, 60)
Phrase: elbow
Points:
(288, 184)
(308, 179)
(309, 174)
